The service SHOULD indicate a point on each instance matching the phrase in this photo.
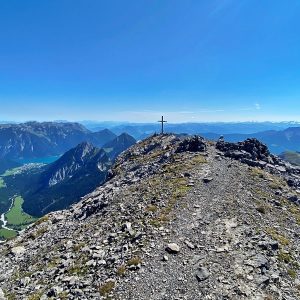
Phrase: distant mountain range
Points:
(141, 130)
(277, 141)
(33, 139)
(280, 136)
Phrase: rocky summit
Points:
(179, 218)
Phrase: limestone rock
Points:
(2, 297)
(18, 250)
(172, 248)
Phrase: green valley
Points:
(16, 217)
(7, 234)
(13, 218)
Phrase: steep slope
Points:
(71, 162)
(78, 172)
(119, 144)
(177, 220)
(33, 139)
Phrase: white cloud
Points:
(257, 106)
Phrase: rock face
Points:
(251, 149)
(233, 237)
(76, 173)
(192, 144)
(256, 154)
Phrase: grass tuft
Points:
(41, 220)
(135, 261)
(106, 288)
(277, 236)
(121, 270)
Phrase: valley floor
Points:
(11, 210)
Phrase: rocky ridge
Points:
(256, 154)
(178, 219)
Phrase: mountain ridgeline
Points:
(142, 130)
(119, 144)
(76, 173)
(34, 139)
(39, 140)
(179, 218)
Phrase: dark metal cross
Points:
(162, 121)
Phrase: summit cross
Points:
(162, 121)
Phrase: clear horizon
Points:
(153, 122)
(192, 61)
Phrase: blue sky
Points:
(213, 60)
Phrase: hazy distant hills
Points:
(279, 136)
(141, 130)
(277, 141)
(292, 157)
(34, 139)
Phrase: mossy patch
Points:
(151, 208)
(78, 269)
(35, 296)
(121, 270)
(41, 220)
(257, 172)
(107, 288)
(39, 232)
(10, 296)
(134, 261)
(262, 209)
(78, 246)
(292, 273)
(295, 211)
(284, 241)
